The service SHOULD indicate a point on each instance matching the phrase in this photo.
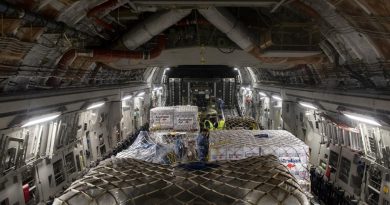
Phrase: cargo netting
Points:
(238, 123)
(238, 144)
(254, 180)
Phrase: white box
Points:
(161, 118)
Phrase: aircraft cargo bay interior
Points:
(273, 102)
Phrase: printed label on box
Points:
(162, 120)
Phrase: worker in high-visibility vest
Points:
(208, 124)
(221, 123)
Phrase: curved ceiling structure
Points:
(79, 79)
(61, 43)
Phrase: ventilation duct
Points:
(228, 24)
(151, 27)
(106, 56)
(141, 34)
(306, 9)
(104, 7)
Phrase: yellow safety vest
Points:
(221, 125)
(210, 123)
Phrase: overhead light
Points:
(41, 119)
(263, 94)
(308, 105)
(361, 118)
(126, 98)
(95, 105)
(239, 74)
(140, 94)
(277, 98)
(165, 70)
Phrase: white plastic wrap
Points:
(143, 148)
(162, 148)
(182, 143)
